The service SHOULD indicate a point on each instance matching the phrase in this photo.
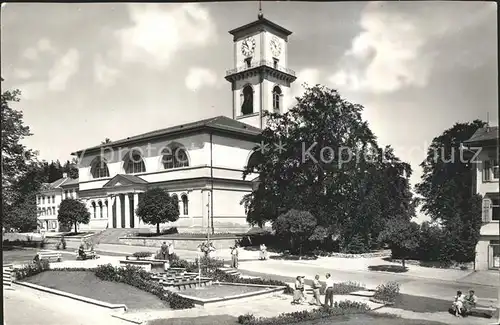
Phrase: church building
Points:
(200, 163)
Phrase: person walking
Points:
(298, 293)
(316, 286)
(329, 291)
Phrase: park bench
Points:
(480, 309)
(46, 255)
(87, 255)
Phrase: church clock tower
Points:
(260, 78)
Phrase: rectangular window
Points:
(275, 63)
(495, 209)
(248, 62)
(490, 170)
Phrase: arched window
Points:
(94, 208)
(134, 163)
(253, 161)
(185, 209)
(101, 210)
(277, 99)
(98, 169)
(247, 105)
(174, 157)
(176, 200)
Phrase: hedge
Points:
(339, 308)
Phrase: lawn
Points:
(360, 319)
(25, 255)
(219, 291)
(421, 304)
(86, 284)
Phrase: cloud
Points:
(32, 90)
(43, 45)
(160, 31)
(200, 77)
(22, 74)
(103, 73)
(393, 50)
(66, 66)
(309, 76)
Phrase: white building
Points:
(487, 175)
(50, 198)
(202, 162)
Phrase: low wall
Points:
(188, 244)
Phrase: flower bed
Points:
(339, 308)
(386, 293)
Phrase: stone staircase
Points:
(111, 236)
(230, 271)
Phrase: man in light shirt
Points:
(329, 291)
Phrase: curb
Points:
(127, 320)
(73, 296)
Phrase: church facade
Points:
(200, 163)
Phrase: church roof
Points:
(257, 23)
(483, 135)
(59, 183)
(219, 123)
(124, 179)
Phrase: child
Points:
(458, 304)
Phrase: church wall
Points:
(240, 58)
(230, 153)
(267, 49)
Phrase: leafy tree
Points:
(15, 156)
(296, 227)
(23, 216)
(329, 163)
(73, 212)
(156, 207)
(447, 188)
(402, 237)
(71, 168)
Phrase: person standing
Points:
(470, 301)
(316, 286)
(164, 251)
(170, 251)
(234, 256)
(329, 290)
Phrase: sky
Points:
(92, 71)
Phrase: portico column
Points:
(136, 203)
(110, 212)
(127, 211)
(118, 211)
(74, 194)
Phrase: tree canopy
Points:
(157, 207)
(73, 212)
(321, 157)
(447, 190)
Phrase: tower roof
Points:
(258, 24)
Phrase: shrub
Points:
(31, 269)
(387, 292)
(209, 264)
(246, 319)
(142, 254)
(142, 280)
(339, 308)
(345, 288)
(355, 245)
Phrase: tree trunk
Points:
(403, 262)
(157, 228)
(76, 230)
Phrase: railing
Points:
(259, 64)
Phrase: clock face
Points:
(248, 46)
(275, 46)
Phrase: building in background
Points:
(487, 176)
(50, 198)
(201, 163)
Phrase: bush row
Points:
(339, 308)
(25, 243)
(137, 277)
(31, 269)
